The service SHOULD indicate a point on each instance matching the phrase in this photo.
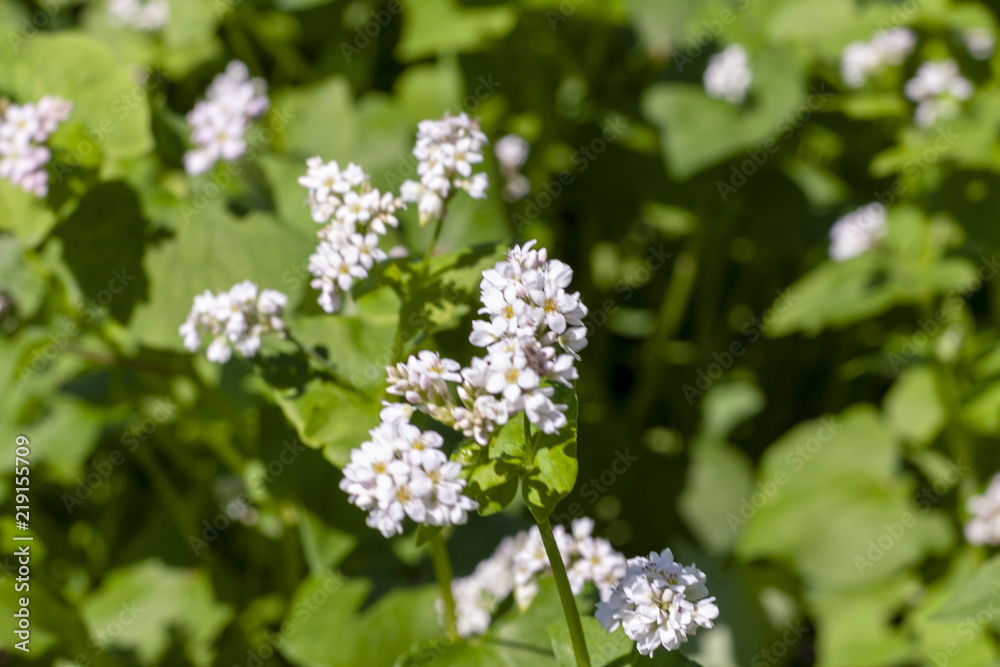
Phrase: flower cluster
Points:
(355, 215)
(148, 15)
(857, 232)
(402, 472)
(512, 152)
(938, 88)
(22, 129)
(984, 526)
(861, 59)
(220, 121)
(531, 313)
(658, 602)
(980, 42)
(519, 561)
(446, 151)
(234, 319)
(728, 76)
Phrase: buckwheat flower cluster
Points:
(984, 526)
(857, 232)
(980, 42)
(355, 215)
(402, 472)
(938, 89)
(658, 602)
(534, 332)
(234, 319)
(512, 152)
(520, 560)
(862, 59)
(446, 151)
(147, 15)
(728, 76)
(220, 121)
(23, 130)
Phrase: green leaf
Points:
(432, 27)
(913, 408)
(690, 121)
(103, 243)
(25, 215)
(147, 601)
(493, 484)
(427, 533)
(81, 69)
(975, 594)
(553, 474)
(605, 648)
(328, 416)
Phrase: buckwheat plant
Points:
(220, 121)
(454, 438)
(23, 131)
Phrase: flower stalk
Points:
(443, 572)
(565, 594)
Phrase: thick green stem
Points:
(565, 594)
(442, 570)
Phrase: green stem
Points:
(636, 658)
(442, 570)
(430, 249)
(565, 594)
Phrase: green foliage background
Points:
(807, 432)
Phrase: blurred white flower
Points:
(446, 151)
(220, 121)
(234, 319)
(512, 152)
(984, 526)
(22, 129)
(147, 15)
(857, 232)
(728, 75)
(658, 602)
(980, 42)
(888, 47)
(938, 88)
(519, 561)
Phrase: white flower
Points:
(512, 152)
(728, 75)
(857, 232)
(355, 215)
(234, 319)
(446, 150)
(402, 472)
(938, 88)
(984, 526)
(520, 561)
(861, 59)
(22, 129)
(658, 602)
(148, 15)
(220, 121)
(980, 42)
